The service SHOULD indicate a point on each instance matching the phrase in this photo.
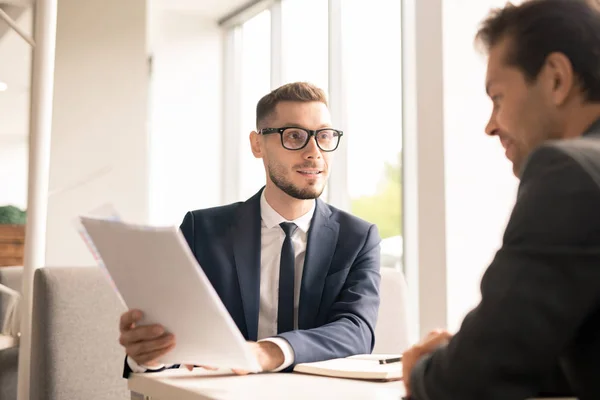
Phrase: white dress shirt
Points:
(271, 242)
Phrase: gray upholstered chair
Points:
(75, 349)
(391, 331)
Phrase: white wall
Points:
(480, 186)
(13, 170)
(186, 102)
(14, 114)
(99, 135)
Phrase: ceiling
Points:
(213, 9)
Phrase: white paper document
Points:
(154, 271)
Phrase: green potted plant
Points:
(12, 235)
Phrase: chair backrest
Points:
(10, 277)
(9, 358)
(391, 331)
(75, 349)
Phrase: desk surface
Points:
(204, 385)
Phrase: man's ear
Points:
(560, 77)
(255, 144)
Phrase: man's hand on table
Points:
(147, 344)
(268, 354)
(428, 345)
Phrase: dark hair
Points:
(297, 91)
(537, 28)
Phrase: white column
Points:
(39, 163)
(232, 114)
(337, 193)
(100, 120)
(423, 162)
(276, 45)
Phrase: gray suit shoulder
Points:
(570, 159)
(585, 151)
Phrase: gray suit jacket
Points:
(540, 310)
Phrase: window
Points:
(480, 187)
(371, 77)
(305, 41)
(15, 72)
(256, 82)
(373, 88)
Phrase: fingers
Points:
(240, 372)
(411, 356)
(128, 319)
(206, 367)
(149, 348)
(235, 371)
(141, 334)
(151, 357)
(434, 340)
(432, 334)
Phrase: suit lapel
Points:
(246, 250)
(322, 240)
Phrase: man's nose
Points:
(491, 128)
(312, 150)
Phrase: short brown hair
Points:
(537, 28)
(297, 91)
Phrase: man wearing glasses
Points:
(299, 277)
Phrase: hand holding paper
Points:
(154, 271)
(144, 344)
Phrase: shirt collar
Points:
(271, 218)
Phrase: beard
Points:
(308, 193)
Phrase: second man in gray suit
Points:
(540, 306)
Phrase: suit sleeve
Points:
(535, 295)
(352, 318)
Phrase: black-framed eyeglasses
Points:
(295, 138)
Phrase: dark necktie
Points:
(285, 310)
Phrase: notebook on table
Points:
(365, 367)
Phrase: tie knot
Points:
(289, 228)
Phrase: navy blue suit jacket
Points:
(339, 295)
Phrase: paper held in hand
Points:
(154, 270)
